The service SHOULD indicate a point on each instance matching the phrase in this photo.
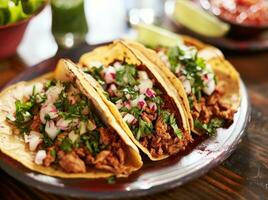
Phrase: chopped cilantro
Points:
(143, 129)
(170, 119)
(210, 127)
(174, 126)
(193, 66)
(111, 180)
(66, 144)
(53, 152)
(127, 75)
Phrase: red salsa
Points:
(248, 12)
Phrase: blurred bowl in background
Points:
(11, 35)
(246, 21)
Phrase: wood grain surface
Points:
(244, 175)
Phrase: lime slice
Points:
(198, 20)
(63, 4)
(155, 36)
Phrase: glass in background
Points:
(69, 25)
(145, 11)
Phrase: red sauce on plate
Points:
(248, 12)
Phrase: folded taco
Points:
(139, 98)
(57, 125)
(208, 85)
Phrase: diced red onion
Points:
(150, 93)
(130, 119)
(144, 85)
(109, 75)
(112, 90)
(141, 104)
(40, 156)
(152, 106)
(127, 104)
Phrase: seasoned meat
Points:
(104, 136)
(209, 107)
(102, 156)
(162, 129)
(71, 163)
(49, 158)
(148, 117)
(36, 123)
(121, 155)
(164, 141)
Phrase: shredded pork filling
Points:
(149, 112)
(58, 124)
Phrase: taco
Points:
(208, 84)
(58, 126)
(139, 98)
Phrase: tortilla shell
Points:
(14, 146)
(226, 75)
(120, 51)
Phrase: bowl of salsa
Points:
(247, 18)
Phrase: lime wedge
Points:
(153, 36)
(198, 20)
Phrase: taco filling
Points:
(59, 126)
(144, 105)
(201, 87)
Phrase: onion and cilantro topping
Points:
(200, 86)
(192, 70)
(58, 124)
(136, 96)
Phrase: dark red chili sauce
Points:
(248, 12)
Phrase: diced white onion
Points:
(73, 137)
(129, 118)
(82, 128)
(34, 139)
(144, 85)
(119, 104)
(95, 63)
(50, 110)
(51, 130)
(40, 156)
(63, 124)
(53, 93)
(210, 84)
(91, 125)
(118, 66)
(187, 86)
(143, 75)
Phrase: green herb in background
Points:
(12, 11)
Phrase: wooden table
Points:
(244, 175)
